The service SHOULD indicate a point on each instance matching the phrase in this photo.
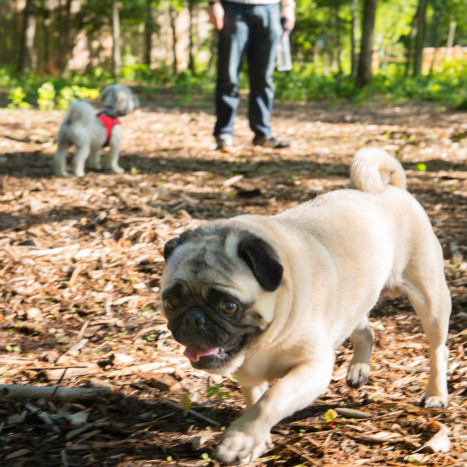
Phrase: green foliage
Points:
(46, 99)
(16, 96)
(216, 391)
(71, 93)
(205, 458)
(5, 77)
(49, 94)
(139, 73)
(305, 82)
(447, 85)
(186, 402)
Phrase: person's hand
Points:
(216, 15)
(288, 16)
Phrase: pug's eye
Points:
(170, 303)
(228, 307)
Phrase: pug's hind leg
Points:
(79, 159)
(429, 294)
(433, 307)
(94, 160)
(60, 156)
(362, 342)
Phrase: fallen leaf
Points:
(440, 441)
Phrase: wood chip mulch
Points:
(80, 265)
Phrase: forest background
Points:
(52, 51)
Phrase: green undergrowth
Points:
(305, 83)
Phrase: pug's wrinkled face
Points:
(209, 289)
(209, 322)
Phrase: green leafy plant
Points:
(46, 99)
(205, 458)
(17, 95)
(186, 402)
(71, 93)
(216, 391)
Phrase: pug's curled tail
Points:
(373, 170)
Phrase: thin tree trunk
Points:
(173, 18)
(364, 71)
(116, 52)
(338, 43)
(420, 36)
(410, 48)
(452, 32)
(434, 39)
(28, 32)
(148, 31)
(64, 34)
(191, 60)
(353, 38)
(45, 32)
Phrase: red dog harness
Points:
(109, 123)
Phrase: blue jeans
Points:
(254, 31)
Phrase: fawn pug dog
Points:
(270, 298)
(90, 132)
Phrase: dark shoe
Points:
(270, 142)
(224, 142)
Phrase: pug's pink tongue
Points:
(195, 352)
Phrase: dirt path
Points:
(80, 264)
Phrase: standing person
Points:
(252, 28)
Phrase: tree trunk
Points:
(364, 71)
(148, 31)
(434, 37)
(27, 58)
(452, 32)
(64, 34)
(116, 53)
(353, 39)
(173, 18)
(420, 36)
(45, 26)
(410, 48)
(191, 60)
(337, 36)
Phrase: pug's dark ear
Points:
(175, 242)
(261, 259)
(170, 246)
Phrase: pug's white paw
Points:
(358, 374)
(434, 402)
(237, 447)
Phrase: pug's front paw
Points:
(238, 447)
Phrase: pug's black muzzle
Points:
(211, 339)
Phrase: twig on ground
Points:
(23, 392)
(352, 413)
(192, 412)
(44, 416)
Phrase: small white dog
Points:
(90, 132)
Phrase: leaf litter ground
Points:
(81, 260)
